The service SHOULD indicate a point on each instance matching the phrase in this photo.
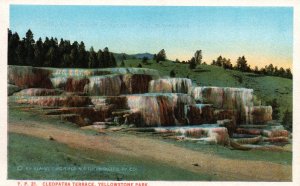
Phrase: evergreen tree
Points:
(74, 54)
(256, 70)
(288, 73)
(281, 72)
(9, 34)
(100, 59)
(219, 61)
(276, 71)
(113, 62)
(214, 62)
(198, 57)
(13, 43)
(29, 50)
(51, 57)
(270, 69)
(66, 61)
(21, 53)
(192, 63)
(81, 63)
(161, 56)
(242, 65)
(38, 53)
(92, 58)
(226, 63)
(106, 58)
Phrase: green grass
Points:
(265, 88)
(284, 158)
(35, 158)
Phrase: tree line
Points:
(51, 53)
(242, 65)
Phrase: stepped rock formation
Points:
(260, 114)
(29, 77)
(35, 77)
(107, 85)
(72, 72)
(135, 83)
(170, 85)
(199, 114)
(237, 102)
(55, 101)
(39, 92)
(158, 109)
(138, 96)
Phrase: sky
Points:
(263, 35)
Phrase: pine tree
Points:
(38, 53)
(161, 56)
(13, 42)
(226, 63)
(92, 58)
(288, 73)
(29, 50)
(100, 59)
(256, 70)
(106, 57)
(198, 57)
(21, 53)
(113, 62)
(81, 63)
(270, 69)
(242, 65)
(219, 61)
(51, 57)
(192, 63)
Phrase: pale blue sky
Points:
(263, 34)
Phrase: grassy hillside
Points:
(265, 88)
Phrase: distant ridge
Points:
(141, 55)
(118, 56)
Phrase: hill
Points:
(266, 88)
(141, 55)
(119, 56)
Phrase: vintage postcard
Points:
(150, 93)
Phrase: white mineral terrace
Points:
(175, 85)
